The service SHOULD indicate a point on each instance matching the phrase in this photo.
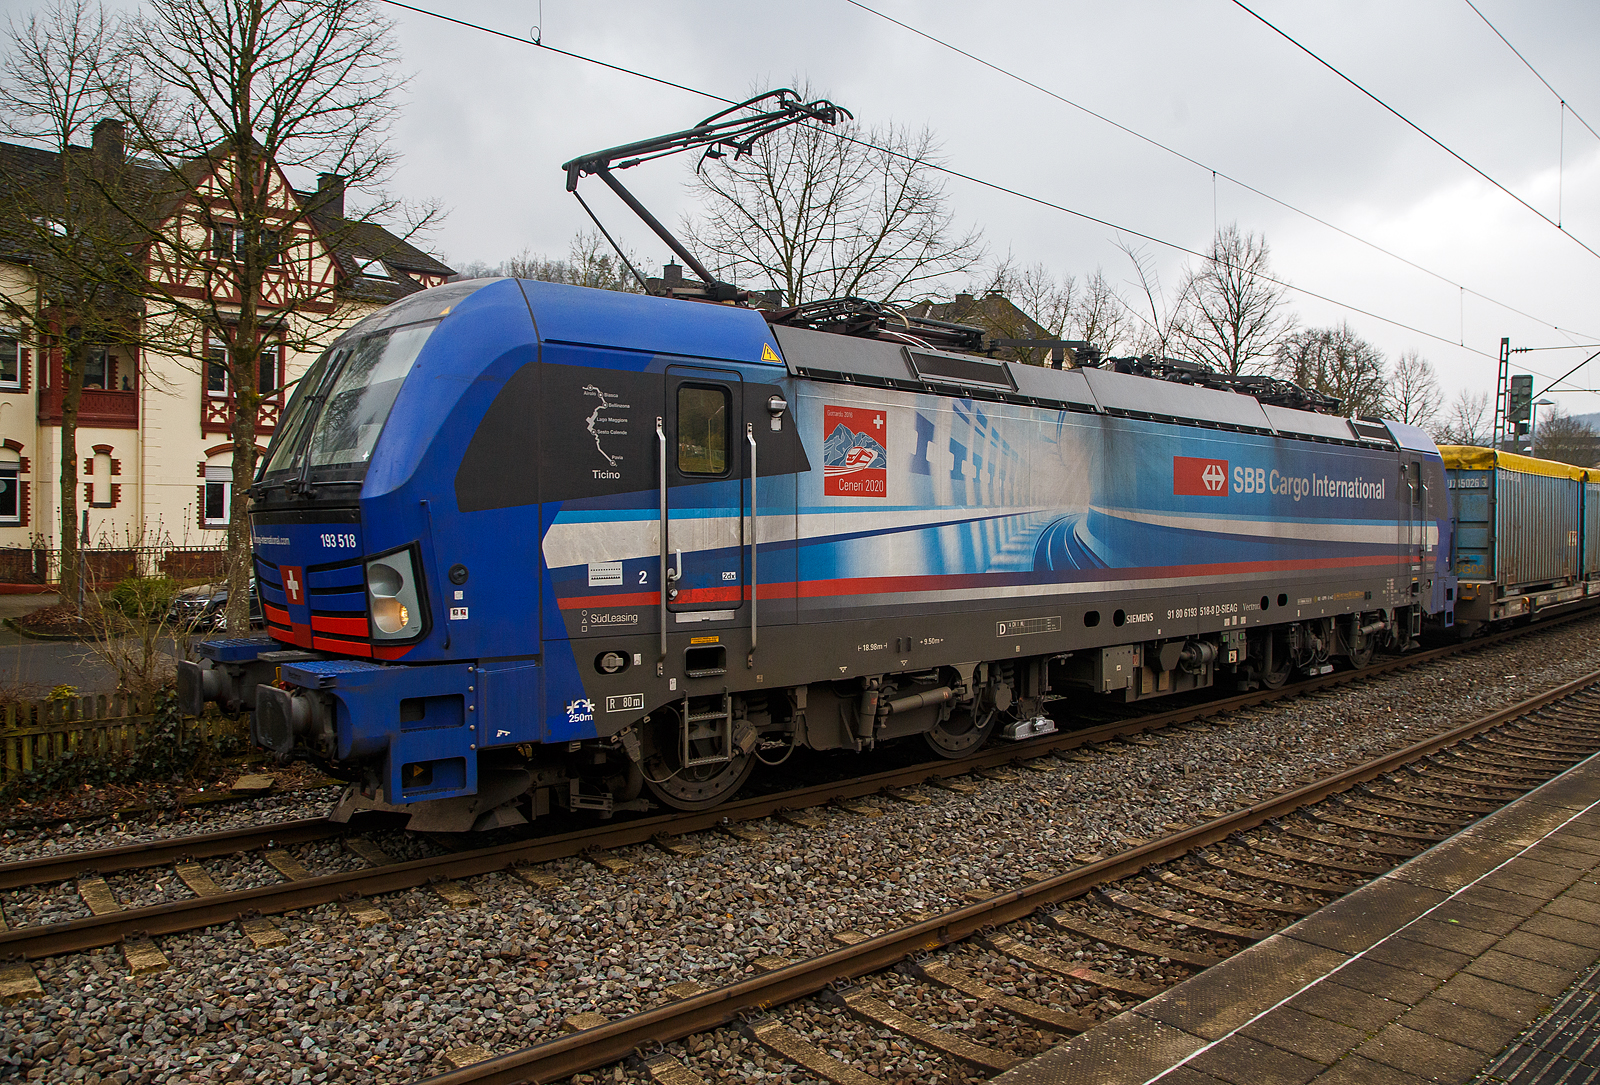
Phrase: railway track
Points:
(1131, 974)
(112, 924)
(1218, 886)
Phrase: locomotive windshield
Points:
(335, 415)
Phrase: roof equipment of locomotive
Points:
(736, 128)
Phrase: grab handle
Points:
(661, 439)
(750, 435)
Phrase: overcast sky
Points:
(489, 121)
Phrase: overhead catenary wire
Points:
(1529, 64)
(970, 178)
(1215, 173)
(1567, 374)
(1414, 126)
(995, 186)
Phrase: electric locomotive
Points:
(524, 546)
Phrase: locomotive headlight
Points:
(392, 596)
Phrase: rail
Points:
(194, 913)
(603, 1044)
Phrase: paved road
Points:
(38, 666)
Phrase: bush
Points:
(143, 598)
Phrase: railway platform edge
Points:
(1434, 972)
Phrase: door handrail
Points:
(750, 435)
(661, 583)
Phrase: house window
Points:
(10, 488)
(217, 369)
(217, 496)
(10, 362)
(268, 381)
(230, 242)
(101, 495)
(96, 368)
(268, 377)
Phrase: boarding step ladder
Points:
(713, 728)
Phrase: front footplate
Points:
(418, 723)
(229, 670)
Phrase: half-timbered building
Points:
(155, 421)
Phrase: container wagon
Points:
(1526, 532)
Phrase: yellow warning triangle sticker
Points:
(769, 355)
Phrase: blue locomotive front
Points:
(397, 523)
(522, 545)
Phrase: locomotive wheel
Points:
(1282, 663)
(1361, 658)
(697, 788)
(1277, 678)
(960, 734)
(1283, 668)
(701, 787)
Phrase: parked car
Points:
(204, 607)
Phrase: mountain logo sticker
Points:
(855, 452)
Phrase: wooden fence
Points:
(102, 726)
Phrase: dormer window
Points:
(372, 269)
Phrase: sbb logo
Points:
(1250, 480)
(1200, 478)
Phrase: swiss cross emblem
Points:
(1199, 477)
(294, 584)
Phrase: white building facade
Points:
(154, 442)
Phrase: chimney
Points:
(964, 300)
(330, 193)
(672, 274)
(107, 142)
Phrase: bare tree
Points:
(1099, 315)
(1466, 421)
(1037, 291)
(1040, 306)
(1414, 396)
(1566, 439)
(1234, 316)
(590, 262)
(1062, 307)
(1336, 362)
(65, 216)
(837, 212)
(1158, 321)
(248, 89)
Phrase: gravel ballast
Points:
(383, 1003)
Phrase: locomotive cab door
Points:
(1416, 525)
(705, 498)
